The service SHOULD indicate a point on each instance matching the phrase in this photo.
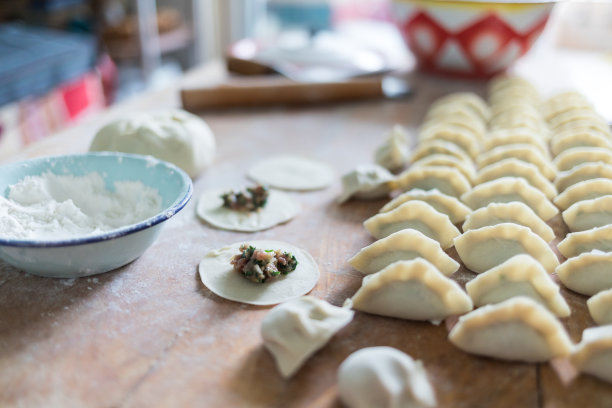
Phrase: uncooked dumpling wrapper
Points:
(292, 173)
(219, 276)
(593, 355)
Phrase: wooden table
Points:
(150, 334)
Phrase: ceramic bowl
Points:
(93, 254)
(470, 38)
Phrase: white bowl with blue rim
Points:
(102, 252)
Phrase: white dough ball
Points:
(173, 135)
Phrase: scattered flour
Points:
(55, 207)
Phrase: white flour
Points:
(53, 207)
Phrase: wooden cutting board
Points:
(150, 334)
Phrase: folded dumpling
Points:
(524, 152)
(600, 307)
(516, 329)
(588, 214)
(593, 355)
(466, 169)
(587, 273)
(393, 154)
(514, 212)
(417, 215)
(460, 137)
(442, 178)
(458, 117)
(449, 205)
(503, 137)
(402, 245)
(508, 189)
(384, 377)
(366, 182)
(413, 290)
(467, 99)
(575, 243)
(517, 168)
(585, 190)
(584, 138)
(520, 275)
(294, 330)
(581, 172)
(484, 248)
(574, 115)
(570, 158)
(431, 147)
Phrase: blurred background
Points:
(61, 60)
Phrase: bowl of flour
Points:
(79, 215)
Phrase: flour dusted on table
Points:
(55, 207)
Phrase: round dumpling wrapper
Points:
(292, 173)
(219, 276)
(279, 208)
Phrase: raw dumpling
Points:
(461, 137)
(517, 168)
(413, 290)
(593, 355)
(587, 273)
(563, 102)
(467, 99)
(514, 212)
(417, 215)
(294, 330)
(573, 139)
(366, 182)
(402, 245)
(393, 154)
(588, 214)
(384, 377)
(576, 243)
(451, 206)
(458, 118)
(520, 275)
(570, 158)
(585, 190)
(600, 307)
(507, 189)
(524, 152)
(581, 172)
(466, 169)
(447, 180)
(502, 137)
(573, 115)
(516, 329)
(279, 208)
(290, 172)
(484, 248)
(431, 147)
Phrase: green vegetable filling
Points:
(259, 265)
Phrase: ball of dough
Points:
(174, 135)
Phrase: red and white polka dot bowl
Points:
(470, 38)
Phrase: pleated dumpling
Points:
(573, 115)
(507, 189)
(431, 147)
(484, 248)
(520, 275)
(417, 215)
(582, 172)
(467, 99)
(575, 243)
(588, 214)
(587, 273)
(393, 153)
(570, 158)
(600, 307)
(517, 168)
(460, 137)
(403, 245)
(294, 330)
(457, 117)
(366, 182)
(514, 212)
(413, 290)
(442, 178)
(585, 190)
(570, 139)
(593, 355)
(524, 152)
(449, 205)
(515, 329)
(466, 169)
(503, 137)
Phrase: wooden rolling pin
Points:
(282, 91)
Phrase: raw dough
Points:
(292, 173)
(219, 277)
(384, 377)
(172, 135)
(366, 182)
(280, 208)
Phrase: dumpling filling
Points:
(259, 265)
(248, 199)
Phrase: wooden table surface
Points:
(150, 334)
